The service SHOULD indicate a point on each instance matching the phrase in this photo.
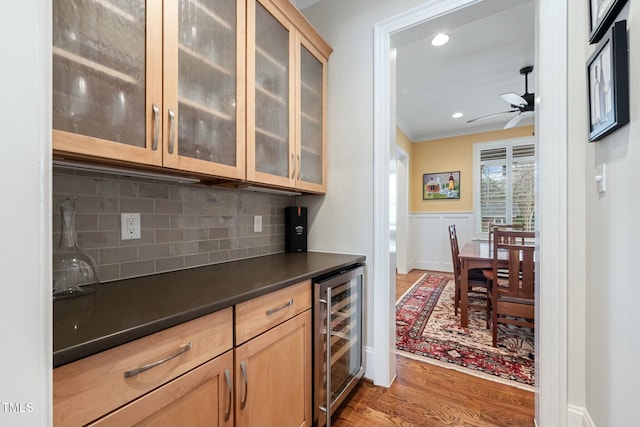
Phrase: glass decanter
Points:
(74, 271)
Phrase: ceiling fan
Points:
(521, 104)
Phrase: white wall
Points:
(613, 233)
(429, 246)
(342, 221)
(25, 230)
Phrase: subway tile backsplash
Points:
(182, 225)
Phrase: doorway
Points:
(551, 127)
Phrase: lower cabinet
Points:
(273, 376)
(191, 375)
(148, 375)
(201, 397)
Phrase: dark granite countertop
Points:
(129, 309)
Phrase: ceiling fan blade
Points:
(514, 99)
(492, 115)
(514, 121)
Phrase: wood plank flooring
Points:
(428, 395)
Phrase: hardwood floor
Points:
(428, 395)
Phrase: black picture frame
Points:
(602, 13)
(608, 83)
(441, 185)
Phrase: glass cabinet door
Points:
(103, 97)
(202, 87)
(270, 151)
(311, 168)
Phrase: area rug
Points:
(427, 329)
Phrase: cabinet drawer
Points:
(201, 397)
(91, 387)
(260, 314)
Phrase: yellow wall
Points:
(447, 155)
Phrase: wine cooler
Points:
(338, 340)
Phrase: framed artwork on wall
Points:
(441, 185)
(608, 83)
(602, 14)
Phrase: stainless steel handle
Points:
(227, 375)
(273, 310)
(172, 130)
(327, 374)
(243, 368)
(299, 167)
(156, 127)
(293, 162)
(136, 371)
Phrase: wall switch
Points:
(257, 223)
(601, 178)
(129, 226)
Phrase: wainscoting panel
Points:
(429, 247)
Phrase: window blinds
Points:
(507, 184)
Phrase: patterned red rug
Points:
(427, 329)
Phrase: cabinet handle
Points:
(293, 162)
(243, 368)
(172, 130)
(273, 310)
(136, 371)
(299, 167)
(156, 127)
(227, 376)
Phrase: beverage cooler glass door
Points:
(338, 340)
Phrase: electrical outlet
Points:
(129, 226)
(257, 223)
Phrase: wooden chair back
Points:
(520, 266)
(455, 252)
(513, 292)
(503, 227)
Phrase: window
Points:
(505, 190)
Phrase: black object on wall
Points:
(295, 233)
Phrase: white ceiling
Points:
(489, 43)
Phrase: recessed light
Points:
(457, 115)
(440, 39)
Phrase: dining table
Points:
(474, 254)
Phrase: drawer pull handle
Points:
(156, 127)
(136, 371)
(274, 310)
(243, 368)
(227, 376)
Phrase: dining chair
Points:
(493, 226)
(502, 272)
(511, 299)
(476, 280)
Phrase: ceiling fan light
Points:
(440, 39)
(457, 115)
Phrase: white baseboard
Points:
(368, 360)
(578, 416)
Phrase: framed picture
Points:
(441, 185)
(603, 13)
(608, 83)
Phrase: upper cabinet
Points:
(154, 83)
(310, 115)
(221, 88)
(204, 87)
(286, 96)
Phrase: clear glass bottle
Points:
(74, 271)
